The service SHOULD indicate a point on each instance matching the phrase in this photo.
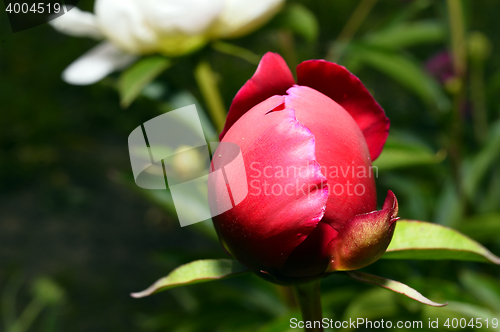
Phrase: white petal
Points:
(123, 22)
(96, 64)
(187, 17)
(77, 23)
(240, 17)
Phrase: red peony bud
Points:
(308, 152)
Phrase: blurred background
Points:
(77, 236)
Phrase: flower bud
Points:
(308, 151)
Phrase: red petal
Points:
(341, 151)
(281, 209)
(347, 90)
(272, 77)
(365, 238)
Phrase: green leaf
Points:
(423, 240)
(338, 297)
(195, 272)
(47, 291)
(408, 34)
(487, 201)
(449, 206)
(136, 78)
(281, 323)
(404, 70)
(483, 287)
(236, 51)
(409, 11)
(394, 286)
(300, 20)
(482, 162)
(399, 154)
(372, 304)
(482, 227)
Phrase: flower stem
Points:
(309, 299)
(457, 31)
(287, 46)
(207, 82)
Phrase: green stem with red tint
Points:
(309, 299)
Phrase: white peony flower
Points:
(132, 28)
